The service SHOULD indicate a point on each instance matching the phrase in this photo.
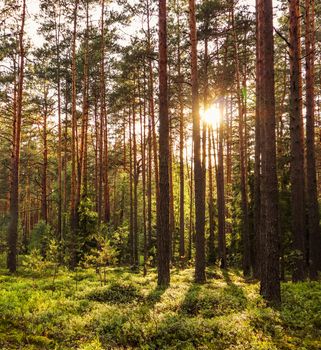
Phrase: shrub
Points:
(211, 303)
(40, 236)
(116, 293)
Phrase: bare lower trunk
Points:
(163, 234)
(312, 194)
(297, 148)
(200, 261)
(15, 157)
(270, 279)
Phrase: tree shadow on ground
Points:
(190, 305)
(232, 288)
(154, 296)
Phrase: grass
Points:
(75, 312)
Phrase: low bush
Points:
(115, 293)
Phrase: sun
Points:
(211, 116)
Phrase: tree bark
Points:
(60, 199)
(297, 146)
(44, 208)
(270, 280)
(73, 189)
(257, 156)
(135, 198)
(82, 185)
(163, 234)
(15, 156)
(200, 260)
(181, 147)
(221, 196)
(211, 213)
(242, 151)
(312, 193)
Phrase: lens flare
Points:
(211, 116)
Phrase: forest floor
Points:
(74, 311)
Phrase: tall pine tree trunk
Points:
(200, 260)
(135, 198)
(74, 146)
(312, 194)
(220, 195)
(15, 156)
(297, 146)
(270, 279)
(163, 232)
(44, 207)
(257, 156)
(181, 147)
(242, 151)
(59, 151)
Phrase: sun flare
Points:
(211, 116)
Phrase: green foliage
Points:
(211, 303)
(3, 232)
(88, 227)
(53, 252)
(34, 262)
(88, 218)
(131, 313)
(40, 236)
(103, 256)
(116, 293)
(118, 239)
(100, 258)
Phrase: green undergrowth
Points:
(74, 311)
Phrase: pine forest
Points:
(160, 174)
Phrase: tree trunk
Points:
(163, 234)
(149, 183)
(82, 183)
(297, 148)
(142, 120)
(181, 147)
(242, 150)
(200, 260)
(15, 157)
(171, 198)
(44, 209)
(211, 214)
(73, 190)
(152, 111)
(57, 38)
(221, 196)
(131, 208)
(191, 200)
(312, 194)
(270, 280)
(257, 156)
(135, 198)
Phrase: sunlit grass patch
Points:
(75, 310)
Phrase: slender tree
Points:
(257, 156)
(163, 232)
(297, 145)
(312, 195)
(15, 155)
(242, 152)
(44, 186)
(220, 193)
(181, 143)
(200, 260)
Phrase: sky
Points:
(33, 9)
